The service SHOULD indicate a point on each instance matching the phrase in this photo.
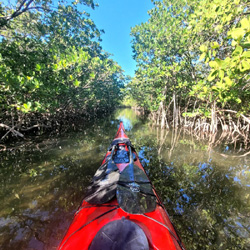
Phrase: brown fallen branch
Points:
(10, 129)
(35, 126)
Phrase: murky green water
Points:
(205, 188)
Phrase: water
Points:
(204, 187)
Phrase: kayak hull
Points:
(90, 219)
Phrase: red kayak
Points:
(121, 209)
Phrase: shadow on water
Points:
(205, 189)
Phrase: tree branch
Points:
(12, 130)
(35, 126)
(18, 12)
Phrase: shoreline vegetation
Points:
(193, 64)
(231, 135)
(53, 70)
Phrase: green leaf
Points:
(213, 64)
(209, 54)
(215, 45)
(245, 24)
(246, 54)
(202, 56)
(76, 83)
(221, 74)
(237, 33)
(220, 85)
(26, 107)
(228, 81)
(55, 66)
(234, 43)
(212, 75)
(38, 67)
(219, 62)
(237, 51)
(203, 48)
(246, 65)
(245, 45)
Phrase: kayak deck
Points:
(145, 211)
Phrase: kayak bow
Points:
(121, 209)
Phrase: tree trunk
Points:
(214, 122)
(175, 112)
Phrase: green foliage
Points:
(129, 102)
(224, 50)
(161, 51)
(193, 53)
(51, 61)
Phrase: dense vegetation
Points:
(52, 67)
(193, 63)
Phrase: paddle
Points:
(134, 190)
(104, 183)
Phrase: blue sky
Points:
(116, 17)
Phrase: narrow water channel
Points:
(205, 188)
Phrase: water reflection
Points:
(206, 194)
(129, 117)
(205, 189)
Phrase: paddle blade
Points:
(100, 172)
(134, 191)
(106, 168)
(103, 190)
(104, 184)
